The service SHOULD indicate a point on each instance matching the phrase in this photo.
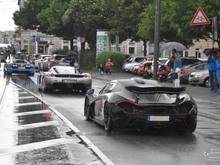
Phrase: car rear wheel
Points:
(107, 119)
(206, 82)
(87, 112)
(191, 127)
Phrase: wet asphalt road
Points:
(134, 148)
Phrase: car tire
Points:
(87, 112)
(206, 82)
(108, 124)
(44, 88)
(191, 126)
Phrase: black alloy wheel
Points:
(191, 125)
(87, 110)
(206, 82)
(107, 118)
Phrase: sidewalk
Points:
(208, 102)
(2, 82)
(33, 133)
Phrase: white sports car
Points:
(64, 77)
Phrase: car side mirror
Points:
(90, 92)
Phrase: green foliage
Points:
(27, 16)
(52, 17)
(116, 57)
(175, 20)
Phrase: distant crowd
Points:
(214, 71)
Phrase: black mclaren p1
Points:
(140, 103)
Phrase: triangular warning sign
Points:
(200, 18)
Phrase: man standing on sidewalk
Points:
(211, 68)
(177, 65)
(217, 68)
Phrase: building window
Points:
(131, 50)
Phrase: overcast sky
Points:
(7, 8)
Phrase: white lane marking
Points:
(34, 146)
(95, 149)
(28, 104)
(20, 93)
(26, 97)
(37, 125)
(32, 113)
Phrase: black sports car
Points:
(140, 103)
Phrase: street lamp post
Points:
(156, 38)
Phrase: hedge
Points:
(116, 57)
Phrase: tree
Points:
(52, 18)
(27, 16)
(87, 16)
(175, 20)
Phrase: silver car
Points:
(64, 77)
(199, 78)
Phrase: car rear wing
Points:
(156, 90)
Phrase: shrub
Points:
(116, 57)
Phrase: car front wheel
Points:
(108, 119)
(87, 110)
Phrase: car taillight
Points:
(183, 71)
(87, 75)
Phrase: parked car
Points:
(64, 77)
(19, 66)
(199, 78)
(67, 61)
(40, 59)
(132, 62)
(55, 60)
(165, 69)
(140, 103)
(186, 70)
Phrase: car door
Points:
(100, 101)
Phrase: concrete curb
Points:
(82, 137)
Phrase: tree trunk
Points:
(71, 44)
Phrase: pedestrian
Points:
(177, 65)
(108, 66)
(211, 68)
(101, 69)
(217, 71)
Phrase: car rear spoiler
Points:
(152, 90)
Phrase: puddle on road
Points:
(37, 135)
(37, 107)
(49, 155)
(29, 119)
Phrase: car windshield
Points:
(65, 70)
(156, 98)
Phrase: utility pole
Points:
(156, 38)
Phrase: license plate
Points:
(69, 80)
(158, 118)
(21, 67)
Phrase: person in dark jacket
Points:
(217, 72)
(211, 68)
